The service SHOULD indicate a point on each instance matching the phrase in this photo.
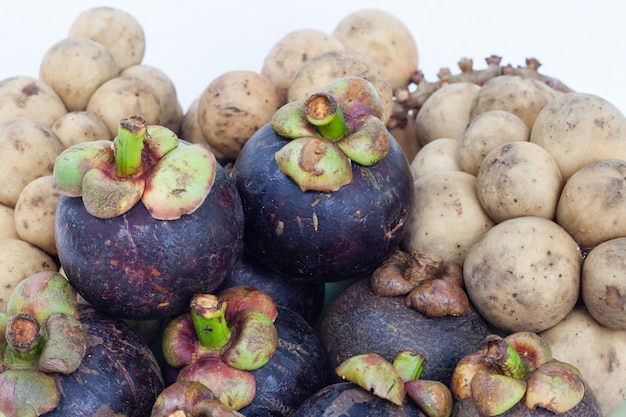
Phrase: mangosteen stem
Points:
(322, 111)
(128, 145)
(502, 355)
(409, 365)
(208, 316)
(23, 339)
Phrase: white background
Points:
(582, 43)
(194, 41)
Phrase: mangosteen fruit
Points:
(350, 400)
(358, 321)
(377, 387)
(256, 357)
(145, 221)
(587, 407)
(119, 374)
(516, 375)
(326, 190)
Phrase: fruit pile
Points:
(331, 234)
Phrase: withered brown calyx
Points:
(432, 286)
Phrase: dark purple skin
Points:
(118, 375)
(303, 297)
(321, 236)
(587, 407)
(357, 321)
(136, 267)
(298, 369)
(349, 400)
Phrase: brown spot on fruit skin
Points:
(311, 154)
(614, 299)
(31, 89)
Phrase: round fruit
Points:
(321, 236)
(597, 188)
(524, 97)
(358, 321)
(485, 132)
(523, 274)
(578, 129)
(519, 179)
(446, 113)
(604, 285)
(149, 268)
(383, 38)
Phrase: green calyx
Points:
(246, 341)
(409, 365)
(221, 340)
(40, 334)
(515, 368)
(146, 163)
(344, 123)
(394, 381)
(242, 335)
(501, 355)
(375, 374)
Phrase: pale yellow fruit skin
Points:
(122, 97)
(291, 51)
(524, 97)
(233, 107)
(446, 217)
(385, 39)
(116, 29)
(523, 274)
(599, 354)
(35, 213)
(165, 90)
(446, 113)
(7, 222)
(80, 126)
(604, 283)
(592, 206)
(75, 68)
(578, 129)
(519, 179)
(24, 96)
(438, 155)
(485, 132)
(19, 260)
(28, 149)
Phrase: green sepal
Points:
(72, 164)
(106, 197)
(409, 365)
(290, 121)
(27, 393)
(160, 140)
(180, 182)
(374, 373)
(42, 294)
(314, 164)
(65, 345)
(368, 145)
(254, 340)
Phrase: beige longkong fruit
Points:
(385, 39)
(117, 30)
